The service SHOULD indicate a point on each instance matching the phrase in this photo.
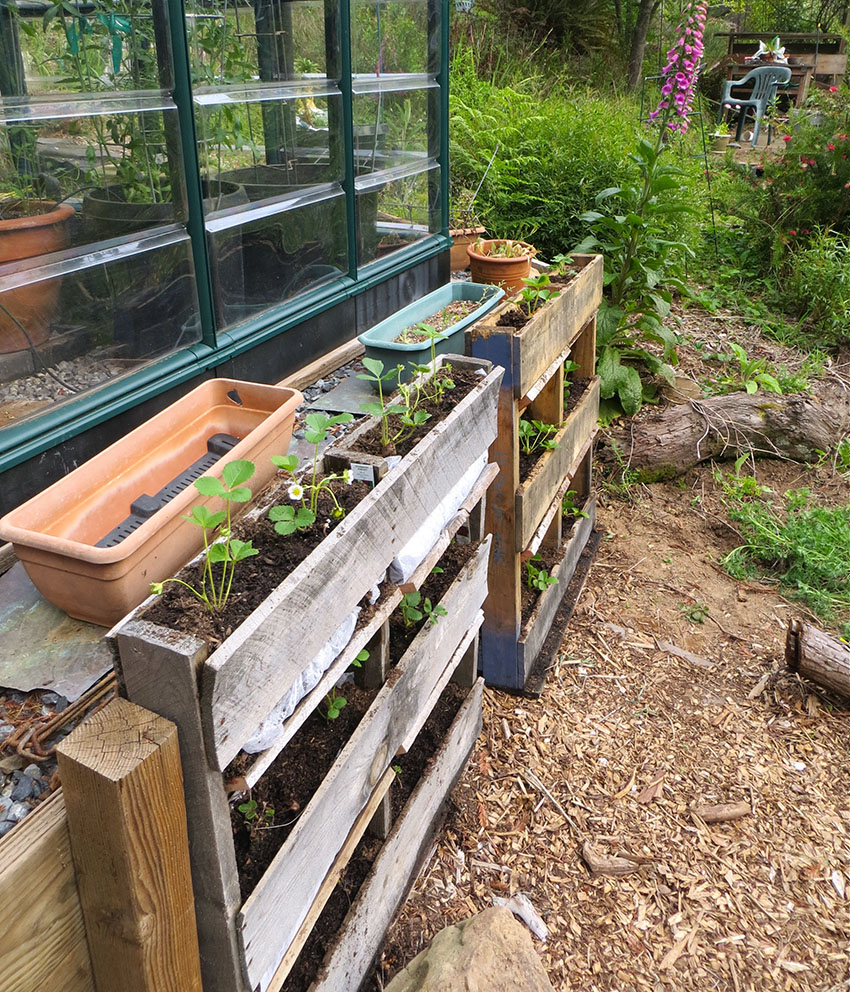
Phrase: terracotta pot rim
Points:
(501, 259)
(55, 214)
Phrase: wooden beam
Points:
(818, 656)
(159, 669)
(7, 557)
(335, 359)
(44, 938)
(123, 789)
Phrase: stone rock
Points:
(490, 952)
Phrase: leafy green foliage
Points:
(803, 546)
(538, 578)
(227, 550)
(334, 703)
(569, 506)
(536, 436)
(537, 291)
(751, 374)
(414, 608)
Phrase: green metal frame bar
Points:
(27, 440)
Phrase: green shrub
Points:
(818, 287)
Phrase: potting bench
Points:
(526, 515)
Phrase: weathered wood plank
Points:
(549, 332)
(159, 670)
(547, 606)
(340, 356)
(7, 557)
(275, 910)
(362, 637)
(123, 790)
(376, 800)
(254, 668)
(44, 939)
(396, 867)
(543, 381)
(535, 495)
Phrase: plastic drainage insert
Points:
(144, 507)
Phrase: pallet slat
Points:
(273, 913)
(396, 867)
(535, 495)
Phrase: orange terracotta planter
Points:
(32, 306)
(54, 534)
(498, 270)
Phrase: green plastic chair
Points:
(764, 79)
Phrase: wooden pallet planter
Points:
(392, 874)
(218, 700)
(525, 516)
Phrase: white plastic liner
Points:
(414, 552)
(271, 727)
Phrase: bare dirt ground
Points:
(669, 691)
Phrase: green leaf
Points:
(373, 409)
(375, 366)
(240, 550)
(203, 517)
(236, 472)
(751, 386)
(289, 463)
(218, 553)
(208, 485)
(241, 495)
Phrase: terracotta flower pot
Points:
(462, 237)
(56, 533)
(32, 306)
(497, 269)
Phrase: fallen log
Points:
(668, 443)
(818, 656)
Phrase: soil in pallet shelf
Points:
(514, 316)
(288, 785)
(255, 578)
(574, 389)
(440, 321)
(454, 558)
(547, 558)
(412, 766)
(465, 380)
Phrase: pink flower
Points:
(786, 137)
(831, 148)
(682, 69)
(793, 233)
(833, 89)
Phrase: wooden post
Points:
(158, 668)
(584, 350)
(123, 789)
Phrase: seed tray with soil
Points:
(440, 321)
(410, 768)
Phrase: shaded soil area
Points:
(529, 595)
(465, 380)
(410, 768)
(255, 578)
(647, 712)
(574, 389)
(433, 588)
(286, 788)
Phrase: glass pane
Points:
(390, 36)
(75, 323)
(270, 251)
(395, 213)
(95, 270)
(390, 129)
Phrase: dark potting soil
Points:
(412, 767)
(287, 786)
(512, 317)
(256, 577)
(528, 595)
(434, 588)
(465, 381)
(574, 389)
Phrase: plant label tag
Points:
(362, 473)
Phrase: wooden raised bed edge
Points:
(535, 631)
(536, 494)
(526, 353)
(396, 867)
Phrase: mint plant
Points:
(220, 546)
(538, 578)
